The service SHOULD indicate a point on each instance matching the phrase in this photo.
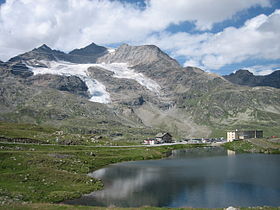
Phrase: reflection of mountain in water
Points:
(201, 177)
(199, 153)
(135, 186)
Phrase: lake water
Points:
(200, 177)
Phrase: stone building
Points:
(164, 137)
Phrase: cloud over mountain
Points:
(256, 39)
(68, 24)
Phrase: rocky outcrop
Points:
(87, 54)
(138, 55)
(272, 80)
(70, 84)
(90, 50)
(41, 53)
(19, 69)
(244, 77)
(3, 69)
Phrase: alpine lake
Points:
(208, 177)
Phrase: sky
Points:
(219, 36)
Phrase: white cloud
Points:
(263, 69)
(203, 12)
(68, 24)
(258, 38)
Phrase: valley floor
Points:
(52, 173)
(33, 175)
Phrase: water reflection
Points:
(205, 177)
(230, 152)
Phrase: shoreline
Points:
(102, 156)
(41, 165)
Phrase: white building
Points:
(231, 136)
(241, 135)
(150, 141)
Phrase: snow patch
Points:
(122, 70)
(111, 50)
(96, 89)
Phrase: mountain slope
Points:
(90, 50)
(87, 54)
(44, 105)
(136, 87)
(244, 77)
(41, 53)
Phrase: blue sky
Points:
(219, 36)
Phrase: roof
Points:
(160, 135)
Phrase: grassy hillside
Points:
(32, 133)
(271, 146)
(223, 106)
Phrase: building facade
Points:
(150, 141)
(231, 135)
(164, 137)
(239, 135)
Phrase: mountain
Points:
(244, 77)
(41, 53)
(90, 50)
(88, 54)
(129, 93)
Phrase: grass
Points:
(254, 145)
(59, 207)
(221, 131)
(34, 176)
(38, 176)
(53, 173)
(46, 206)
(15, 130)
(21, 132)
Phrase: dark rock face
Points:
(17, 69)
(70, 84)
(41, 53)
(21, 70)
(90, 50)
(3, 65)
(244, 77)
(272, 80)
(88, 54)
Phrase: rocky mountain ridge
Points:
(245, 77)
(136, 87)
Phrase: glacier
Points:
(122, 70)
(97, 90)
